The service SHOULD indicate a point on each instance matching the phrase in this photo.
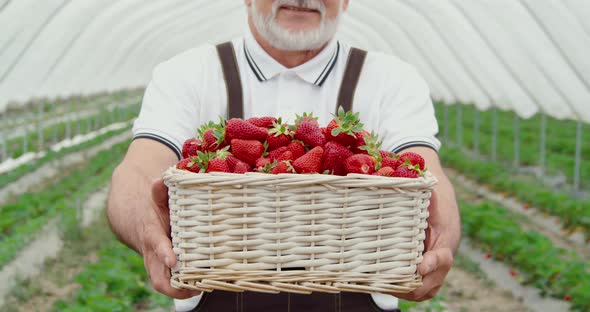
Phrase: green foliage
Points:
(555, 271)
(560, 143)
(117, 282)
(20, 220)
(573, 212)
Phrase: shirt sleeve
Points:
(169, 111)
(408, 117)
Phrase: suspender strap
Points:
(354, 67)
(231, 74)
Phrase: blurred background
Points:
(511, 84)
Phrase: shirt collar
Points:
(314, 71)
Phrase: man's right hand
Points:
(156, 249)
(138, 211)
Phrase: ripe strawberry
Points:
(389, 159)
(191, 147)
(232, 162)
(287, 155)
(488, 256)
(513, 273)
(242, 167)
(282, 167)
(297, 148)
(414, 159)
(279, 135)
(189, 164)
(310, 134)
(567, 298)
(240, 129)
(404, 171)
(385, 172)
(334, 156)
(247, 151)
(306, 118)
(273, 155)
(212, 136)
(359, 163)
(264, 122)
(310, 162)
(217, 165)
(360, 141)
(262, 162)
(343, 128)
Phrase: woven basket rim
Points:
(428, 181)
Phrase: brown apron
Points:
(224, 301)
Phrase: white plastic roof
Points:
(528, 56)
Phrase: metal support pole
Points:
(495, 135)
(459, 125)
(543, 144)
(68, 122)
(516, 141)
(25, 135)
(446, 115)
(476, 131)
(3, 152)
(578, 157)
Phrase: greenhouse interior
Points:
(510, 87)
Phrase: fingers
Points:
(159, 258)
(160, 193)
(159, 275)
(434, 268)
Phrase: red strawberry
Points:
(247, 151)
(243, 130)
(488, 256)
(190, 164)
(389, 159)
(264, 122)
(343, 128)
(212, 136)
(360, 141)
(273, 155)
(513, 273)
(282, 167)
(414, 159)
(232, 162)
(568, 298)
(310, 134)
(261, 162)
(306, 118)
(334, 156)
(310, 162)
(279, 135)
(218, 165)
(359, 163)
(242, 167)
(406, 172)
(287, 155)
(385, 172)
(297, 148)
(191, 147)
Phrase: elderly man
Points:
(287, 62)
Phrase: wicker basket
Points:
(297, 233)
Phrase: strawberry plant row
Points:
(22, 114)
(20, 171)
(59, 131)
(575, 213)
(117, 282)
(20, 220)
(555, 271)
(560, 143)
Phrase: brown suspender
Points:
(354, 66)
(231, 74)
(235, 98)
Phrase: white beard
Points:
(283, 39)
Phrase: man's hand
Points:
(158, 256)
(442, 235)
(138, 211)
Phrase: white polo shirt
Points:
(189, 90)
